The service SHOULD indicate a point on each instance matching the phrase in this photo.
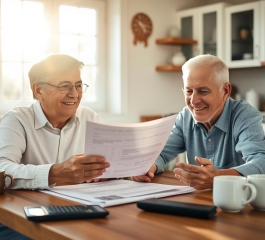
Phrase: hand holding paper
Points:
(147, 177)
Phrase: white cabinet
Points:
(243, 35)
(262, 31)
(187, 22)
(212, 29)
(206, 25)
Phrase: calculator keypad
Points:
(65, 209)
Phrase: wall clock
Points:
(142, 28)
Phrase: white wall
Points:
(233, 1)
(151, 92)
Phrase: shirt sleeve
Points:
(250, 141)
(174, 145)
(12, 146)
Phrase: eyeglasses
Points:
(200, 92)
(67, 88)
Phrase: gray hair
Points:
(219, 72)
(56, 64)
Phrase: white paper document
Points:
(131, 149)
(116, 192)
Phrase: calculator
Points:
(48, 213)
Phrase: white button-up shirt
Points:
(29, 145)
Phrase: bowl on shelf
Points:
(247, 56)
(178, 59)
(174, 32)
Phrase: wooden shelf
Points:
(175, 41)
(168, 68)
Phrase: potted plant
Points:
(244, 32)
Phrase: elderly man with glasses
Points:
(42, 145)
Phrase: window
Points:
(34, 28)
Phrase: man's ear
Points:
(227, 90)
(36, 89)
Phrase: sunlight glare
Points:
(35, 33)
(12, 85)
(11, 14)
(24, 36)
(87, 21)
(23, 27)
(68, 19)
(207, 232)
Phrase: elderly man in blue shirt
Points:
(220, 135)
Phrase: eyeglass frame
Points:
(69, 90)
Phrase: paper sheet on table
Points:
(116, 192)
(131, 149)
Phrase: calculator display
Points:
(36, 212)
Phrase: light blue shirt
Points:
(236, 140)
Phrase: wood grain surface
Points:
(129, 222)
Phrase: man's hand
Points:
(148, 177)
(77, 169)
(97, 180)
(199, 177)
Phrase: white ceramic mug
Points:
(231, 193)
(258, 180)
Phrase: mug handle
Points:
(11, 181)
(253, 193)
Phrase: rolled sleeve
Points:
(160, 165)
(41, 176)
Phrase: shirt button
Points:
(209, 140)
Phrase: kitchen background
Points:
(146, 91)
(135, 88)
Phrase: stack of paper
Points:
(116, 192)
(131, 149)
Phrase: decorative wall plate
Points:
(142, 28)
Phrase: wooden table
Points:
(129, 222)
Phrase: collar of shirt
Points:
(41, 120)
(223, 121)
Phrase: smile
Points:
(198, 109)
(69, 103)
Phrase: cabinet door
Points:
(242, 35)
(187, 21)
(262, 31)
(211, 30)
